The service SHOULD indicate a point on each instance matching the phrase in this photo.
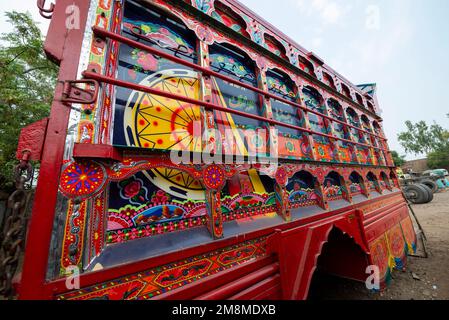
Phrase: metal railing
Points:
(100, 32)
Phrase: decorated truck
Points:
(194, 151)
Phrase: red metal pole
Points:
(32, 286)
(240, 284)
(207, 105)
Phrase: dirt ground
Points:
(424, 279)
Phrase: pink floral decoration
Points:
(147, 61)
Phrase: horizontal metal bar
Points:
(238, 285)
(117, 37)
(210, 106)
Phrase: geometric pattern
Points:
(149, 284)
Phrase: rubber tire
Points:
(429, 192)
(421, 194)
(431, 184)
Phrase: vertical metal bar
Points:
(116, 37)
(41, 224)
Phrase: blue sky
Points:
(402, 45)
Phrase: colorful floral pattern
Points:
(380, 257)
(133, 190)
(222, 61)
(279, 86)
(162, 35)
(82, 179)
(281, 176)
(154, 282)
(145, 61)
(214, 177)
(300, 197)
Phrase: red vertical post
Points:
(64, 46)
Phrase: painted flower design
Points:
(204, 34)
(281, 176)
(261, 62)
(81, 179)
(147, 61)
(319, 174)
(133, 190)
(132, 74)
(321, 151)
(246, 188)
(214, 177)
(164, 31)
(290, 146)
(159, 197)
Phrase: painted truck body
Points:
(320, 191)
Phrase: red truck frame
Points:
(344, 233)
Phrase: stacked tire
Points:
(419, 193)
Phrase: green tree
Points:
(398, 159)
(422, 138)
(439, 159)
(27, 81)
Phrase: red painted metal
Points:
(337, 252)
(56, 36)
(211, 106)
(297, 266)
(292, 248)
(264, 287)
(32, 139)
(239, 285)
(45, 12)
(209, 284)
(59, 286)
(393, 217)
(41, 224)
(85, 94)
(205, 71)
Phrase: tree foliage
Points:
(421, 138)
(398, 159)
(432, 140)
(27, 81)
(439, 159)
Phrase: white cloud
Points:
(329, 11)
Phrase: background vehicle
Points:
(436, 173)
